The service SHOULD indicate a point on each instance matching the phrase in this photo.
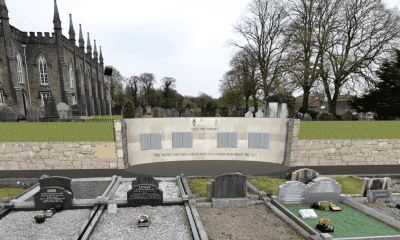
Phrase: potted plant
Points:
(143, 220)
(325, 225)
(40, 217)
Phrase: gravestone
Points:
(175, 113)
(305, 175)
(292, 192)
(139, 111)
(249, 115)
(259, 114)
(75, 110)
(385, 195)
(374, 184)
(8, 115)
(323, 189)
(32, 114)
(217, 115)
(50, 108)
(62, 110)
(167, 113)
(272, 110)
(148, 110)
(230, 185)
(282, 110)
(54, 192)
(144, 194)
(145, 180)
(234, 113)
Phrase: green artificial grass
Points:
(349, 222)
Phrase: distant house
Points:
(316, 103)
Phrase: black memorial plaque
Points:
(50, 197)
(145, 194)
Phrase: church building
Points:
(36, 67)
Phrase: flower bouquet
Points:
(40, 217)
(325, 225)
(143, 221)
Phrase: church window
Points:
(73, 99)
(44, 95)
(82, 79)
(19, 68)
(43, 71)
(71, 74)
(1, 98)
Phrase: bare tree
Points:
(231, 84)
(263, 32)
(167, 81)
(147, 80)
(368, 30)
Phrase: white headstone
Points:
(283, 113)
(62, 110)
(249, 115)
(272, 110)
(259, 114)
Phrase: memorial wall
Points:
(190, 139)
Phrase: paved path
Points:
(200, 168)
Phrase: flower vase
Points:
(143, 224)
(40, 219)
(323, 228)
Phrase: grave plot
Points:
(52, 216)
(143, 196)
(347, 221)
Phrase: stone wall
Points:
(61, 155)
(339, 152)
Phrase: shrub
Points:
(324, 116)
(129, 110)
(347, 116)
(289, 174)
(313, 114)
(303, 110)
(339, 117)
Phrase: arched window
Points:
(43, 71)
(71, 73)
(19, 68)
(82, 79)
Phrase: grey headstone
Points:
(292, 192)
(167, 113)
(234, 113)
(50, 108)
(230, 185)
(272, 110)
(148, 110)
(249, 115)
(259, 114)
(217, 115)
(139, 111)
(305, 175)
(145, 180)
(8, 115)
(323, 189)
(374, 195)
(374, 184)
(282, 110)
(32, 114)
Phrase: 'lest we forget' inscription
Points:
(145, 194)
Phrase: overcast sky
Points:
(174, 38)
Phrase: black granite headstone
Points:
(51, 197)
(58, 181)
(144, 194)
(230, 185)
(145, 180)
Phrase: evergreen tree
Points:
(128, 110)
(385, 100)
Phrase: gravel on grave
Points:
(169, 222)
(61, 226)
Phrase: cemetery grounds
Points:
(242, 222)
